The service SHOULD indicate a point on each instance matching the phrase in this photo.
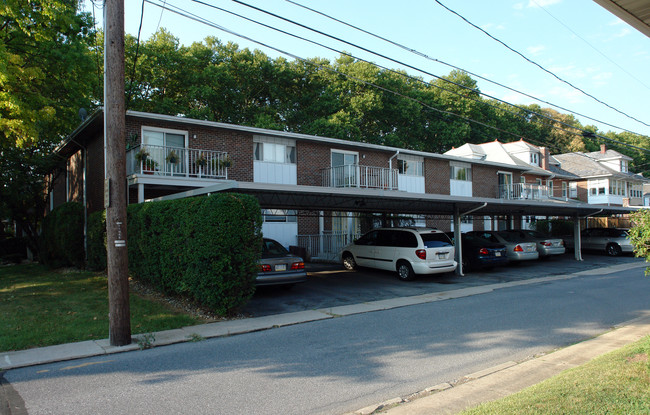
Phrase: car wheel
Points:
(466, 266)
(613, 250)
(405, 271)
(349, 263)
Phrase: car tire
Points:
(613, 250)
(405, 271)
(349, 263)
(466, 265)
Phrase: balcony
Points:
(521, 191)
(354, 175)
(177, 162)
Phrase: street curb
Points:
(90, 348)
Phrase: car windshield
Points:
(435, 240)
(510, 236)
(271, 248)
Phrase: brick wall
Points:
(436, 176)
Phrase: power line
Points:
(538, 65)
(135, 59)
(582, 131)
(191, 16)
(590, 45)
(423, 55)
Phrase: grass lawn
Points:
(41, 307)
(615, 383)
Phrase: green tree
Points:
(640, 235)
(47, 73)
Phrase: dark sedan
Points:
(278, 266)
(481, 253)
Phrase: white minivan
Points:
(408, 251)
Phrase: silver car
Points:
(277, 266)
(516, 248)
(613, 241)
(546, 245)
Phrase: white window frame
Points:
(455, 167)
(285, 144)
(164, 131)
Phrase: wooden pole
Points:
(115, 168)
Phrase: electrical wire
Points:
(135, 59)
(582, 131)
(538, 65)
(191, 16)
(425, 56)
(590, 45)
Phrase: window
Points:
(275, 152)
(163, 138)
(624, 166)
(573, 190)
(564, 190)
(279, 215)
(461, 172)
(410, 167)
(534, 159)
(549, 184)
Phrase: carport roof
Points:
(391, 201)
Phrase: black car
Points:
(481, 253)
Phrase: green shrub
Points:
(204, 248)
(96, 241)
(62, 238)
(555, 227)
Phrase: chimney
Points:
(544, 157)
(603, 148)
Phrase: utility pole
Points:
(115, 174)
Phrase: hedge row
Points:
(204, 248)
(62, 237)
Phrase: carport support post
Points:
(457, 242)
(577, 243)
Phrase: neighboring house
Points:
(604, 177)
(598, 178)
(315, 192)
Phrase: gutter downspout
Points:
(390, 168)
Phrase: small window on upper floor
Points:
(410, 167)
(534, 159)
(624, 166)
(460, 172)
(275, 153)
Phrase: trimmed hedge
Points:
(204, 248)
(62, 238)
(96, 241)
(555, 227)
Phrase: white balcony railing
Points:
(177, 161)
(523, 191)
(354, 175)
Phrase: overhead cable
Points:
(423, 55)
(538, 65)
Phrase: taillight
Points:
(298, 265)
(483, 251)
(421, 253)
(546, 243)
(265, 267)
(518, 248)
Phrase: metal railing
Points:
(519, 191)
(325, 246)
(355, 175)
(177, 161)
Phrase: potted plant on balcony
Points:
(201, 161)
(149, 166)
(142, 155)
(225, 162)
(172, 157)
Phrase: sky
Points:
(577, 41)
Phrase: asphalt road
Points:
(342, 364)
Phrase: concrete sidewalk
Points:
(479, 387)
(510, 377)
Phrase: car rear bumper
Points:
(280, 278)
(434, 268)
(524, 256)
(552, 251)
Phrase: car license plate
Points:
(442, 255)
(281, 267)
(497, 254)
